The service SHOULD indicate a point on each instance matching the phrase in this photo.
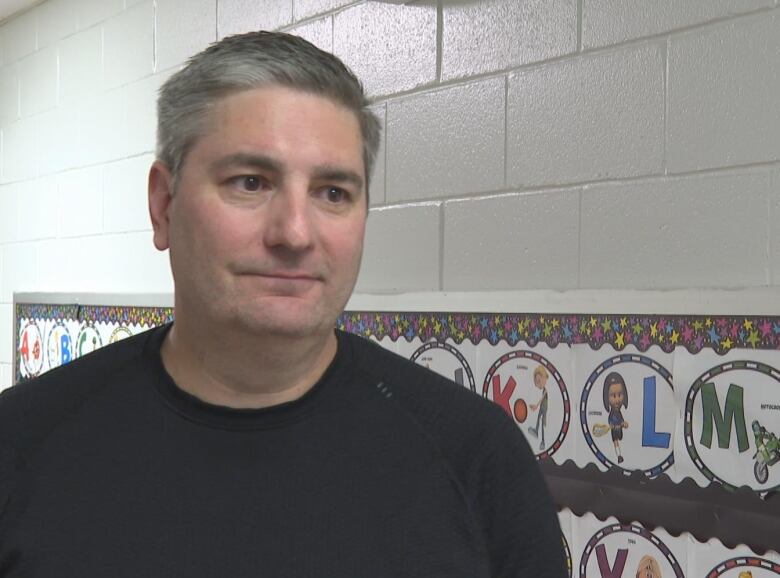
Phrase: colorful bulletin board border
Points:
(694, 332)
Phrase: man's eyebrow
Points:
(248, 160)
(258, 161)
(330, 173)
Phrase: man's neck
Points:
(238, 370)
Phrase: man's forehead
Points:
(281, 124)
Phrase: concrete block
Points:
(9, 213)
(377, 184)
(479, 37)
(142, 268)
(184, 28)
(318, 32)
(61, 265)
(38, 209)
(391, 48)
(513, 241)
(18, 157)
(18, 37)
(9, 94)
(103, 126)
(91, 12)
(147, 270)
(19, 269)
(128, 45)
(723, 95)
(57, 19)
(774, 229)
(401, 250)
(607, 22)
(81, 65)
(6, 338)
(307, 8)
(38, 82)
(699, 231)
(587, 118)
(446, 142)
(237, 16)
(58, 139)
(125, 206)
(142, 113)
(80, 194)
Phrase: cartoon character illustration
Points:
(767, 451)
(540, 381)
(615, 396)
(746, 574)
(648, 568)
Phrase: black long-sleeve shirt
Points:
(383, 468)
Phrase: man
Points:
(249, 438)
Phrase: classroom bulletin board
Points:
(690, 398)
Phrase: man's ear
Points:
(160, 196)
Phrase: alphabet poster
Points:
(610, 549)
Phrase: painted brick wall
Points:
(529, 143)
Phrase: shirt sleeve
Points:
(515, 510)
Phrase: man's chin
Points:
(297, 324)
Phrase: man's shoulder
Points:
(443, 407)
(38, 403)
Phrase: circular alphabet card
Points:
(626, 408)
(615, 550)
(532, 385)
(729, 407)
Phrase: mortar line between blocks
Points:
(506, 129)
(579, 236)
(774, 180)
(441, 247)
(665, 87)
(439, 35)
(155, 59)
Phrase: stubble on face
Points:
(283, 260)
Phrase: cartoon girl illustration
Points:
(540, 381)
(616, 396)
(648, 568)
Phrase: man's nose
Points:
(289, 222)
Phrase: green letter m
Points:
(735, 412)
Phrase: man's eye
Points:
(335, 195)
(248, 183)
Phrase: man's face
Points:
(266, 226)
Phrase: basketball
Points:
(521, 410)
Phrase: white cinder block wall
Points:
(529, 143)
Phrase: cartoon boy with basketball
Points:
(540, 381)
(615, 396)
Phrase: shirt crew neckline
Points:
(223, 417)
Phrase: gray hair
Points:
(247, 61)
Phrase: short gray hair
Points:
(247, 61)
